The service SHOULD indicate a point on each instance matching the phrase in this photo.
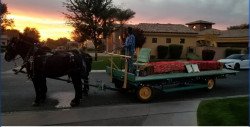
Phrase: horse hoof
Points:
(35, 104)
(74, 103)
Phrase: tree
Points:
(123, 16)
(3, 15)
(140, 37)
(242, 26)
(56, 43)
(32, 33)
(76, 36)
(92, 19)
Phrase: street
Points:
(18, 92)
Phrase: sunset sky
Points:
(47, 17)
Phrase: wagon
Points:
(168, 82)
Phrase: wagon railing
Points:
(112, 65)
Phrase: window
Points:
(154, 40)
(168, 40)
(182, 41)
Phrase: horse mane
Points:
(31, 41)
(27, 39)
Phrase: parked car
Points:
(236, 61)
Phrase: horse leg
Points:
(86, 86)
(40, 86)
(37, 87)
(76, 80)
(43, 89)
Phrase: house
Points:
(234, 38)
(222, 38)
(165, 34)
(6, 36)
(158, 34)
(4, 40)
(200, 25)
(195, 35)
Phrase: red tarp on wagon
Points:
(207, 65)
(166, 67)
(179, 66)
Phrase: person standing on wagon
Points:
(130, 48)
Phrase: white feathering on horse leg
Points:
(64, 99)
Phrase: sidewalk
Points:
(182, 113)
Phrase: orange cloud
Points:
(48, 27)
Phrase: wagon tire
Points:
(210, 84)
(145, 93)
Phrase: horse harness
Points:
(29, 60)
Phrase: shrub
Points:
(152, 57)
(229, 52)
(162, 51)
(175, 51)
(208, 54)
(245, 51)
(193, 56)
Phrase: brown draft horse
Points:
(40, 64)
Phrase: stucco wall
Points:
(161, 40)
(219, 51)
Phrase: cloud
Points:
(221, 12)
(38, 7)
(229, 12)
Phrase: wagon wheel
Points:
(210, 84)
(145, 93)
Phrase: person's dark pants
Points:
(131, 67)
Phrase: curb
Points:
(177, 113)
(97, 71)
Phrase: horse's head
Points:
(22, 46)
(11, 50)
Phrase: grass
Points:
(103, 61)
(224, 112)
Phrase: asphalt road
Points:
(18, 92)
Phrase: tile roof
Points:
(210, 31)
(200, 22)
(165, 28)
(235, 33)
(226, 33)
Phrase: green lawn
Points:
(103, 61)
(224, 112)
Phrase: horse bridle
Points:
(26, 60)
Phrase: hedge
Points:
(175, 51)
(162, 51)
(208, 54)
